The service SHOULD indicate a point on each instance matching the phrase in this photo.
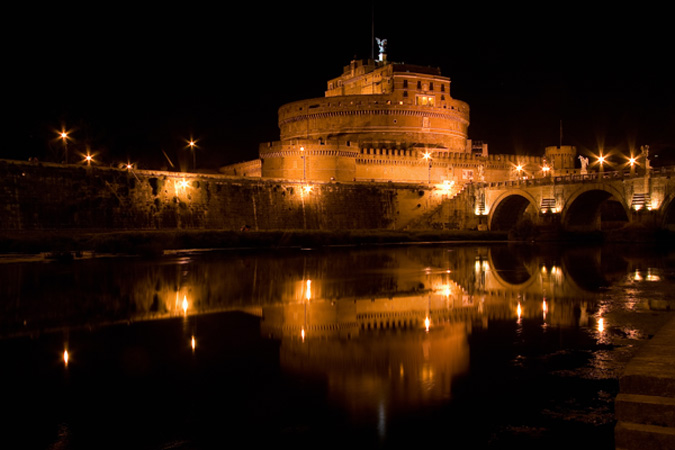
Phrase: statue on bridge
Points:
(584, 164)
(644, 150)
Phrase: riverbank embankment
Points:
(645, 406)
(154, 242)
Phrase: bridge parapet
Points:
(578, 201)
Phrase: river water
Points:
(465, 346)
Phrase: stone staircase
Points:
(645, 405)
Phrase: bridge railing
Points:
(578, 177)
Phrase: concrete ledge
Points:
(629, 436)
(645, 409)
(645, 406)
(652, 370)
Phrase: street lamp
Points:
(64, 138)
(192, 145)
(427, 156)
(632, 161)
(601, 161)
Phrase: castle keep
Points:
(384, 121)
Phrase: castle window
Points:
(405, 84)
(431, 86)
(442, 88)
(425, 100)
(419, 84)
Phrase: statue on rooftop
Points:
(584, 164)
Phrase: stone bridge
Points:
(581, 202)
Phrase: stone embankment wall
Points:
(41, 196)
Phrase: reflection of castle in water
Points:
(404, 347)
(455, 285)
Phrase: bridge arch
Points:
(509, 208)
(587, 208)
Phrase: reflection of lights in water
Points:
(519, 311)
(302, 334)
(381, 421)
(427, 322)
(193, 343)
(185, 304)
(601, 325)
(308, 290)
(65, 357)
(651, 276)
(544, 307)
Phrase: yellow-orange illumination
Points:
(519, 311)
(193, 343)
(632, 160)
(183, 184)
(519, 167)
(427, 155)
(427, 323)
(544, 308)
(601, 159)
(308, 189)
(601, 325)
(65, 358)
(308, 290)
(185, 304)
(302, 334)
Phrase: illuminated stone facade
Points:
(380, 121)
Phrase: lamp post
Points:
(427, 156)
(632, 162)
(601, 161)
(192, 143)
(64, 138)
(519, 169)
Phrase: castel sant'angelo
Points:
(385, 121)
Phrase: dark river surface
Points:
(452, 345)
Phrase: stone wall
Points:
(41, 196)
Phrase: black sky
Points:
(135, 82)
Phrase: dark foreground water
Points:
(446, 345)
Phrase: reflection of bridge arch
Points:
(509, 271)
(583, 209)
(509, 208)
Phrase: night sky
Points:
(133, 83)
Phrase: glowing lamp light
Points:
(427, 323)
(185, 304)
(632, 161)
(519, 311)
(193, 343)
(308, 189)
(601, 325)
(308, 290)
(66, 357)
(302, 334)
